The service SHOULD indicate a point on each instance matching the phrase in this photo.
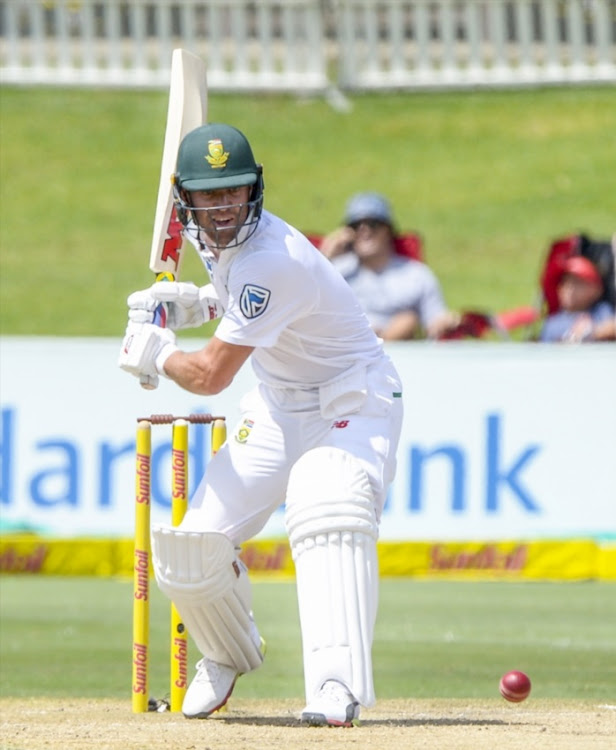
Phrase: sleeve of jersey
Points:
(267, 292)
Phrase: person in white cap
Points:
(583, 315)
(401, 297)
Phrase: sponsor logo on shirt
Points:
(253, 300)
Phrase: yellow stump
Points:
(141, 569)
(179, 504)
(219, 434)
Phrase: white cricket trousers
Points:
(246, 481)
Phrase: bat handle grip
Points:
(148, 382)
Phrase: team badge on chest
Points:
(253, 300)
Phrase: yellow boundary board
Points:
(561, 560)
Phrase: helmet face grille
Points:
(231, 236)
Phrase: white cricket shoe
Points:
(209, 690)
(334, 705)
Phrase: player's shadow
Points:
(293, 721)
(458, 722)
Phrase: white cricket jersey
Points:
(283, 297)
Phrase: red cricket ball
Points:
(514, 686)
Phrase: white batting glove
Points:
(145, 350)
(188, 306)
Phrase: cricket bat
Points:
(187, 110)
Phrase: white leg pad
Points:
(331, 522)
(201, 573)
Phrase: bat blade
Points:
(186, 111)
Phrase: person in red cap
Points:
(583, 315)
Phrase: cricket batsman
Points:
(318, 433)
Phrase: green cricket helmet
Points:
(214, 157)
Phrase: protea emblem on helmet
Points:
(218, 156)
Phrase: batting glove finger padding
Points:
(145, 349)
(140, 316)
(141, 306)
(189, 306)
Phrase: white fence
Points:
(248, 46)
(310, 45)
(457, 43)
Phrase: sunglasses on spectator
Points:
(370, 223)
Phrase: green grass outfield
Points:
(72, 637)
(488, 178)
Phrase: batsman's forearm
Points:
(193, 372)
(209, 370)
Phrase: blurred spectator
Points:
(582, 314)
(401, 297)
